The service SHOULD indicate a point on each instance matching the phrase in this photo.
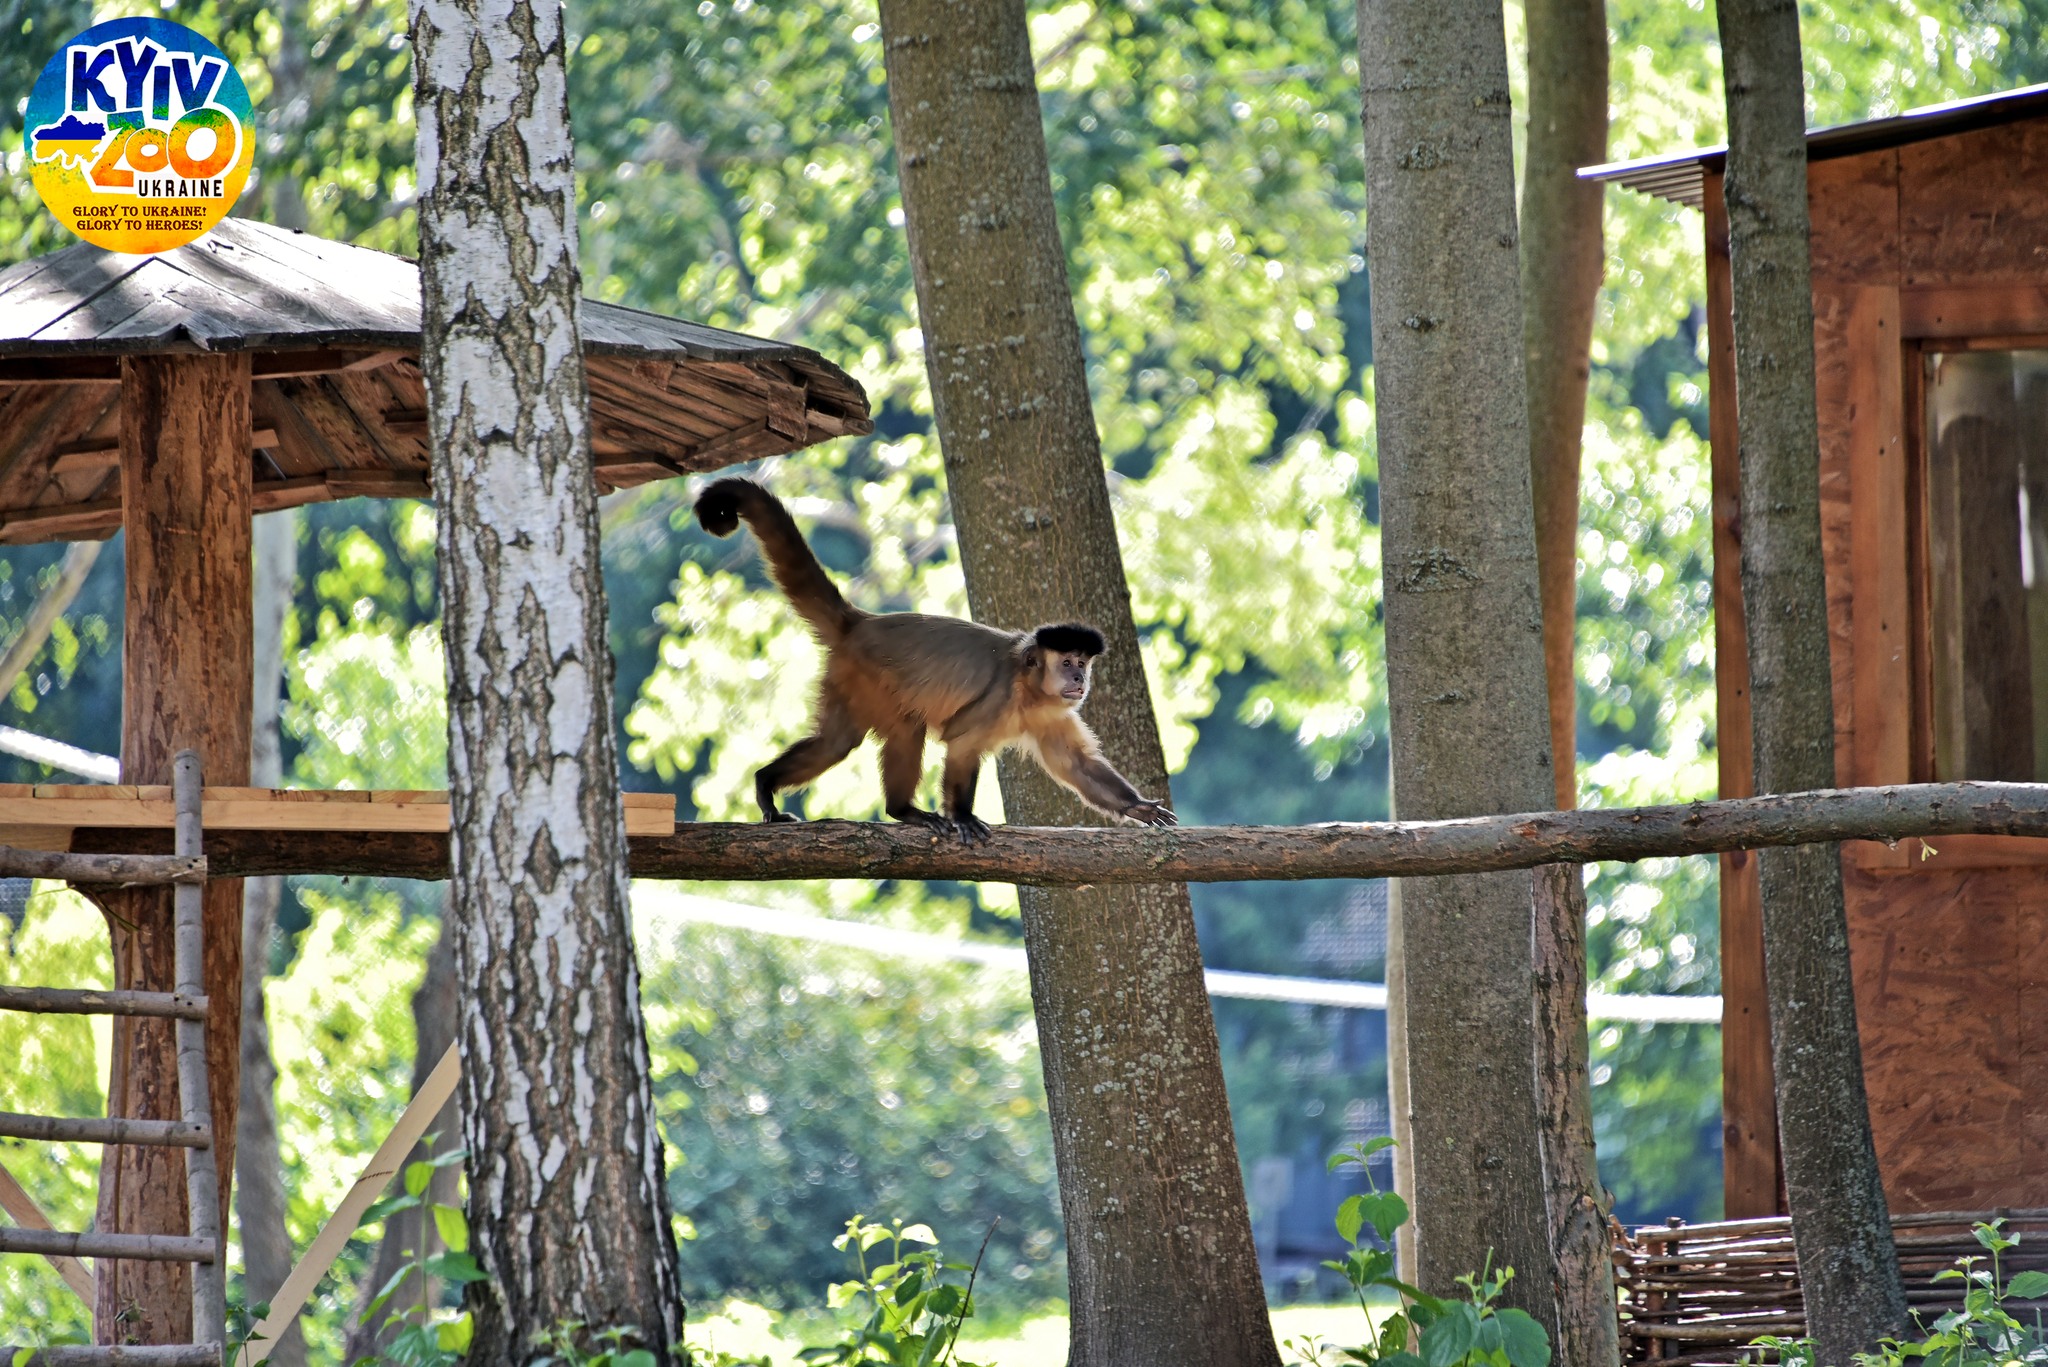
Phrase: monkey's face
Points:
(1066, 676)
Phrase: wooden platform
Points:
(44, 816)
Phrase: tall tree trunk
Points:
(1848, 1265)
(259, 1167)
(1464, 620)
(1161, 1265)
(408, 1233)
(1562, 262)
(568, 1206)
(1561, 266)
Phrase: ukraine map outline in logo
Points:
(139, 135)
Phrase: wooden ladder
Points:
(186, 871)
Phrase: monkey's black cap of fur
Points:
(1071, 636)
(718, 507)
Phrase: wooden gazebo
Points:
(172, 397)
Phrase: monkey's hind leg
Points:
(902, 766)
(963, 771)
(831, 741)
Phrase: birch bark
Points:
(568, 1207)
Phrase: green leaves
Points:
(1523, 1339)
(2028, 1286)
(914, 1313)
(1451, 1338)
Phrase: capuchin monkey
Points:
(902, 674)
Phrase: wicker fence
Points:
(1697, 1294)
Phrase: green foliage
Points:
(565, 1346)
(424, 1338)
(799, 1083)
(57, 1066)
(914, 1312)
(1424, 1331)
(1983, 1332)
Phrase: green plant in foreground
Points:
(1982, 1333)
(423, 1338)
(916, 1313)
(1426, 1331)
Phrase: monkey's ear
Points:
(1076, 638)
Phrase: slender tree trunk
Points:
(1464, 620)
(1562, 263)
(568, 1207)
(1161, 1265)
(435, 1006)
(1588, 1335)
(259, 1167)
(1561, 267)
(1848, 1264)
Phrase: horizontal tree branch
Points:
(1206, 854)
(132, 868)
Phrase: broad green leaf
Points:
(920, 1234)
(454, 1335)
(1524, 1339)
(839, 1295)
(1451, 1337)
(1351, 1218)
(635, 1357)
(1373, 1146)
(1387, 1211)
(2028, 1286)
(455, 1267)
(417, 1175)
(453, 1229)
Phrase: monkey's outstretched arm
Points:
(1070, 755)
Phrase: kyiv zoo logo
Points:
(139, 137)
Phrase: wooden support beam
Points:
(62, 1129)
(1043, 856)
(264, 365)
(164, 1248)
(188, 675)
(68, 1001)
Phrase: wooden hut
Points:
(172, 397)
(1930, 297)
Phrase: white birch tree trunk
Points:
(568, 1208)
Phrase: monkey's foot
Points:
(971, 829)
(1149, 813)
(774, 818)
(918, 816)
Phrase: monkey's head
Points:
(1067, 653)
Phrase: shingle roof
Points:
(338, 404)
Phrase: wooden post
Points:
(187, 679)
(1749, 1107)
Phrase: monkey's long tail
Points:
(722, 506)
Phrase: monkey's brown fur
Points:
(901, 675)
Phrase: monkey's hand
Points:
(1146, 812)
(971, 829)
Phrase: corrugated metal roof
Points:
(1680, 176)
